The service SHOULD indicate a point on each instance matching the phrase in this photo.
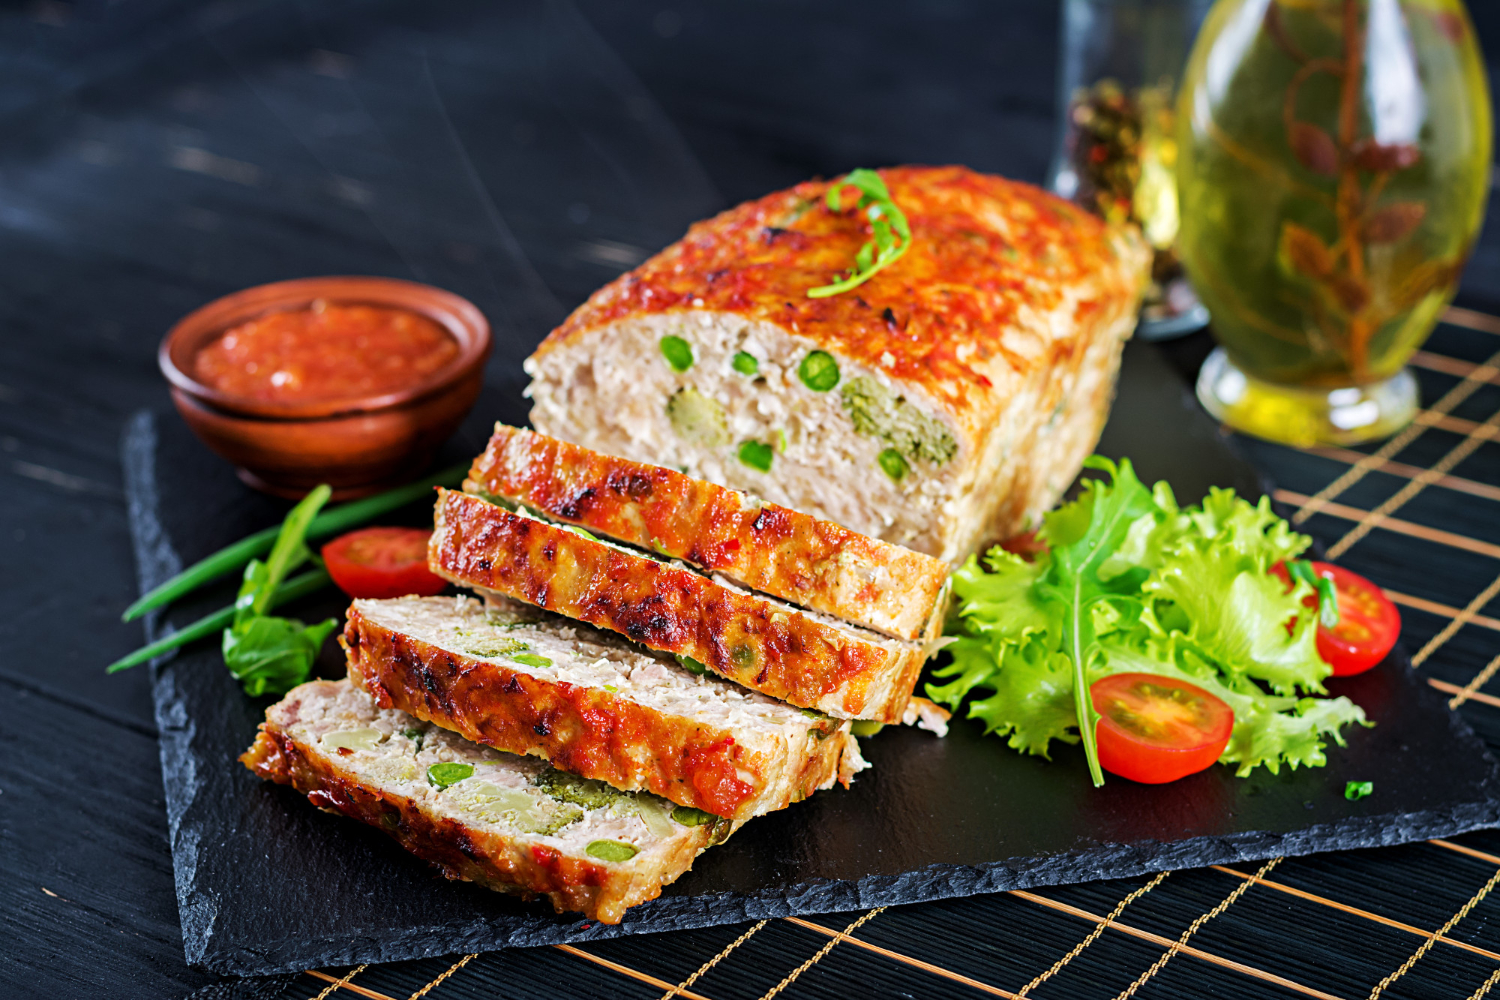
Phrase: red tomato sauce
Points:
(325, 352)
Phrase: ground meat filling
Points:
(749, 412)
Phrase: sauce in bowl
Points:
(326, 351)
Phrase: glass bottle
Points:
(1116, 153)
(1334, 164)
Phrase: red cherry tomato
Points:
(1155, 729)
(1025, 545)
(382, 562)
(1368, 622)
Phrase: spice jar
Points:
(1117, 146)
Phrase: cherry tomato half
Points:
(382, 562)
(1155, 729)
(1368, 622)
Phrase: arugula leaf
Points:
(887, 225)
(273, 655)
(1081, 537)
(1130, 582)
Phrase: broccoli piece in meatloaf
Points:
(878, 412)
(698, 419)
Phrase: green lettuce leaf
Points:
(1031, 700)
(1131, 582)
(1239, 620)
(1214, 564)
(1000, 602)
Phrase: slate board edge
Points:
(928, 885)
(157, 561)
(925, 885)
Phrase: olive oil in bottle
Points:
(1334, 160)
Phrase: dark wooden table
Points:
(157, 154)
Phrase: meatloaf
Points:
(808, 659)
(508, 822)
(593, 704)
(763, 546)
(948, 400)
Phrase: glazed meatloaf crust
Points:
(507, 822)
(797, 656)
(591, 703)
(948, 400)
(763, 546)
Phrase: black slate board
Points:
(267, 884)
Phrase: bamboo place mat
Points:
(1420, 515)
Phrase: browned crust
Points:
(599, 891)
(770, 548)
(588, 731)
(962, 316)
(748, 639)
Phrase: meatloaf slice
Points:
(798, 656)
(948, 400)
(508, 822)
(593, 704)
(763, 546)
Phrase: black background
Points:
(156, 155)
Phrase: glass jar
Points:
(1334, 164)
(1116, 145)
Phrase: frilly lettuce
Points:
(1130, 582)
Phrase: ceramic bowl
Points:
(359, 445)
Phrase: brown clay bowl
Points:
(358, 446)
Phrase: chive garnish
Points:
(297, 586)
(819, 371)
(1328, 602)
(329, 522)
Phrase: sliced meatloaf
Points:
(763, 546)
(948, 400)
(792, 655)
(508, 822)
(593, 704)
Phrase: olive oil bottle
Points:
(1334, 163)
